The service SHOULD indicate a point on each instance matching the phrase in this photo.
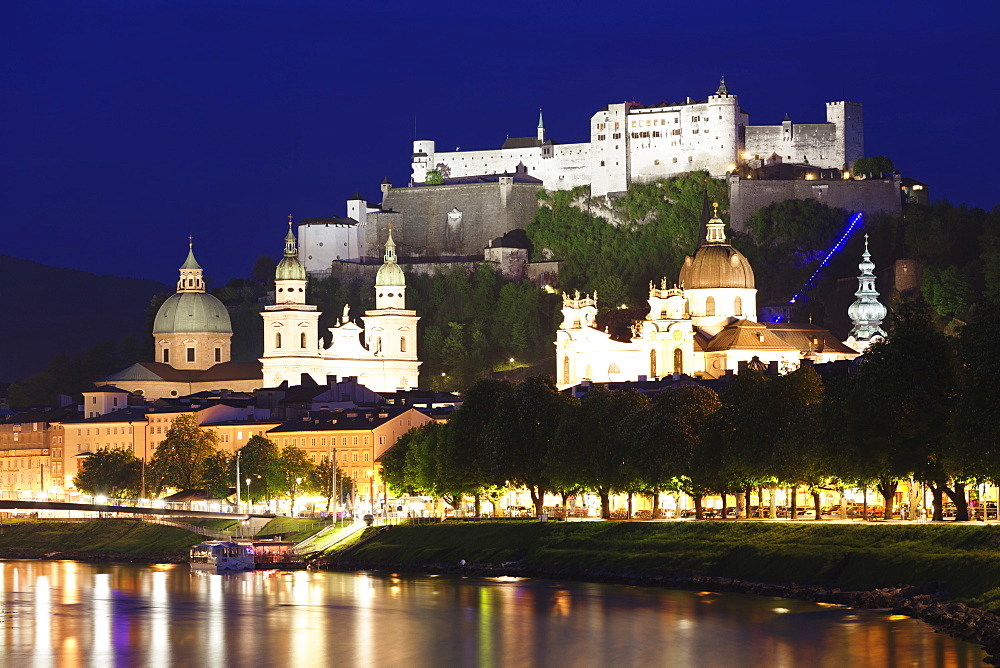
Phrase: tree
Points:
(219, 477)
(179, 460)
(260, 464)
(520, 434)
(115, 473)
(673, 447)
(433, 177)
(876, 166)
(892, 418)
(295, 469)
(594, 447)
(329, 481)
(263, 269)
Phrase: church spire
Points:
(722, 87)
(541, 127)
(867, 312)
(390, 249)
(290, 248)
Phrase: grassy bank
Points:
(103, 538)
(965, 560)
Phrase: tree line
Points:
(920, 406)
(189, 458)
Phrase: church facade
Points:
(382, 354)
(703, 326)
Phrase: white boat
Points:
(221, 556)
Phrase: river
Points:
(69, 614)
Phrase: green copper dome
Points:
(290, 269)
(390, 273)
(192, 312)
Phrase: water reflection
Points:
(71, 614)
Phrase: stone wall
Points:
(451, 220)
(810, 144)
(869, 196)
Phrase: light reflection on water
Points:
(70, 614)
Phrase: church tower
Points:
(291, 327)
(867, 312)
(390, 328)
(192, 329)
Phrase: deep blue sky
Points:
(127, 125)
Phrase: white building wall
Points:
(637, 145)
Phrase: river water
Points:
(68, 614)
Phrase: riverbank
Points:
(948, 576)
(96, 540)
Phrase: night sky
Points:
(129, 125)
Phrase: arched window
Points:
(402, 344)
(589, 375)
(613, 369)
(302, 340)
(652, 364)
(710, 306)
(565, 373)
(678, 361)
(277, 340)
(738, 306)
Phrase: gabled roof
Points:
(158, 371)
(750, 335)
(746, 335)
(130, 414)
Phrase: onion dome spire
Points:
(722, 87)
(290, 269)
(867, 312)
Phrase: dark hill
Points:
(49, 310)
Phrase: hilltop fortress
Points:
(632, 143)
(460, 207)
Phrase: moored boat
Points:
(221, 556)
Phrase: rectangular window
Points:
(344, 457)
(354, 440)
(656, 133)
(601, 137)
(675, 132)
(312, 442)
(166, 355)
(190, 354)
(366, 457)
(218, 354)
(322, 441)
(354, 456)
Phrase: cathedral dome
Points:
(192, 312)
(716, 264)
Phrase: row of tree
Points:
(189, 458)
(921, 407)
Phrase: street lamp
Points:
(298, 485)
(371, 491)
(248, 495)
(238, 453)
